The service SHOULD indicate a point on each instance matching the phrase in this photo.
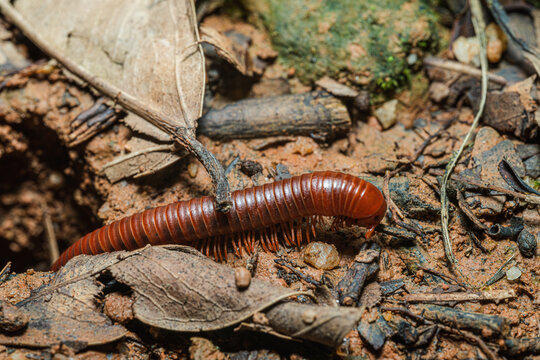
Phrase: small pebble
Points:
(467, 50)
(496, 43)
(513, 273)
(527, 244)
(321, 255)
(242, 277)
(309, 316)
(193, 168)
(118, 307)
(250, 167)
(12, 318)
(438, 91)
(387, 114)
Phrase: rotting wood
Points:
(322, 324)
(316, 114)
(351, 285)
(461, 296)
(477, 322)
(522, 346)
(451, 330)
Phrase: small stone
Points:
(513, 273)
(250, 167)
(387, 114)
(193, 168)
(118, 307)
(412, 59)
(467, 50)
(321, 255)
(12, 318)
(527, 244)
(242, 277)
(496, 43)
(438, 91)
(309, 316)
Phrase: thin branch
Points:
(533, 199)
(479, 26)
(465, 334)
(49, 233)
(462, 68)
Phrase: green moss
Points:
(367, 42)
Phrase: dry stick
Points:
(461, 296)
(443, 276)
(479, 26)
(533, 199)
(468, 211)
(301, 275)
(5, 270)
(397, 215)
(183, 135)
(465, 334)
(49, 233)
(462, 68)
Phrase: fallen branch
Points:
(462, 68)
(479, 26)
(461, 296)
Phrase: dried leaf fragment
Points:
(185, 291)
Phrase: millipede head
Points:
(368, 214)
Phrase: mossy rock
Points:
(372, 44)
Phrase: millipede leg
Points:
(264, 240)
(275, 239)
(286, 233)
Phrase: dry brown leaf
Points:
(145, 55)
(336, 88)
(145, 48)
(66, 311)
(145, 157)
(225, 49)
(177, 288)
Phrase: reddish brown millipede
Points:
(284, 210)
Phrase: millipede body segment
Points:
(285, 210)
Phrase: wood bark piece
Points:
(480, 323)
(316, 114)
(461, 296)
(144, 55)
(322, 324)
(351, 285)
(522, 346)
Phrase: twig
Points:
(183, 135)
(499, 274)
(477, 242)
(301, 275)
(533, 199)
(461, 296)
(443, 276)
(5, 270)
(397, 215)
(465, 334)
(468, 211)
(49, 233)
(479, 26)
(429, 139)
(462, 68)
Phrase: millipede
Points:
(283, 211)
